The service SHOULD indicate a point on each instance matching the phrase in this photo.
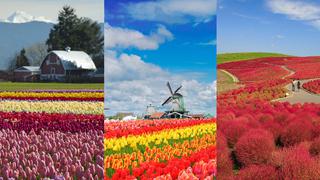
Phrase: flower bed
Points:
(262, 133)
(260, 139)
(74, 107)
(312, 86)
(55, 138)
(25, 121)
(53, 96)
(51, 155)
(166, 152)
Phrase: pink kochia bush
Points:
(279, 137)
(51, 154)
(255, 147)
(313, 86)
(298, 164)
(258, 172)
(297, 131)
(224, 163)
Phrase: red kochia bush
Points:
(233, 130)
(260, 172)
(315, 147)
(296, 132)
(224, 163)
(298, 164)
(255, 147)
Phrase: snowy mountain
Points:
(23, 17)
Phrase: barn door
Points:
(53, 73)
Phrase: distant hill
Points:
(230, 57)
(15, 36)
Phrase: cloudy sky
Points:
(151, 42)
(49, 8)
(284, 26)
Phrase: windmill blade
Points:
(167, 101)
(177, 89)
(168, 84)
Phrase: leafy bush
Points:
(255, 147)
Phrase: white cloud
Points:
(297, 10)
(173, 11)
(116, 37)
(279, 36)
(212, 42)
(132, 84)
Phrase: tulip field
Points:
(51, 134)
(260, 138)
(160, 149)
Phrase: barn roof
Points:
(28, 68)
(72, 60)
(156, 115)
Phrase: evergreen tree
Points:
(22, 60)
(78, 33)
(63, 33)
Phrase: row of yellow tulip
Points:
(118, 145)
(52, 94)
(184, 149)
(74, 107)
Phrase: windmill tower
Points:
(149, 111)
(178, 109)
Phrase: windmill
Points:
(177, 103)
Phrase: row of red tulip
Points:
(125, 128)
(27, 121)
(150, 170)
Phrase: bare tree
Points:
(36, 53)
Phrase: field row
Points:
(172, 151)
(53, 95)
(51, 134)
(74, 107)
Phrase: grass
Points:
(225, 82)
(231, 57)
(14, 86)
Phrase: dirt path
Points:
(289, 70)
(301, 96)
(234, 78)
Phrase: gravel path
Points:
(301, 96)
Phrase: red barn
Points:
(66, 66)
(26, 74)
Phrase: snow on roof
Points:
(75, 59)
(28, 68)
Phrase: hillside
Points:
(14, 37)
(231, 57)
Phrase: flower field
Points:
(312, 86)
(263, 139)
(55, 134)
(160, 149)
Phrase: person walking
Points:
(293, 86)
(298, 85)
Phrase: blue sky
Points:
(49, 8)
(283, 26)
(168, 39)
